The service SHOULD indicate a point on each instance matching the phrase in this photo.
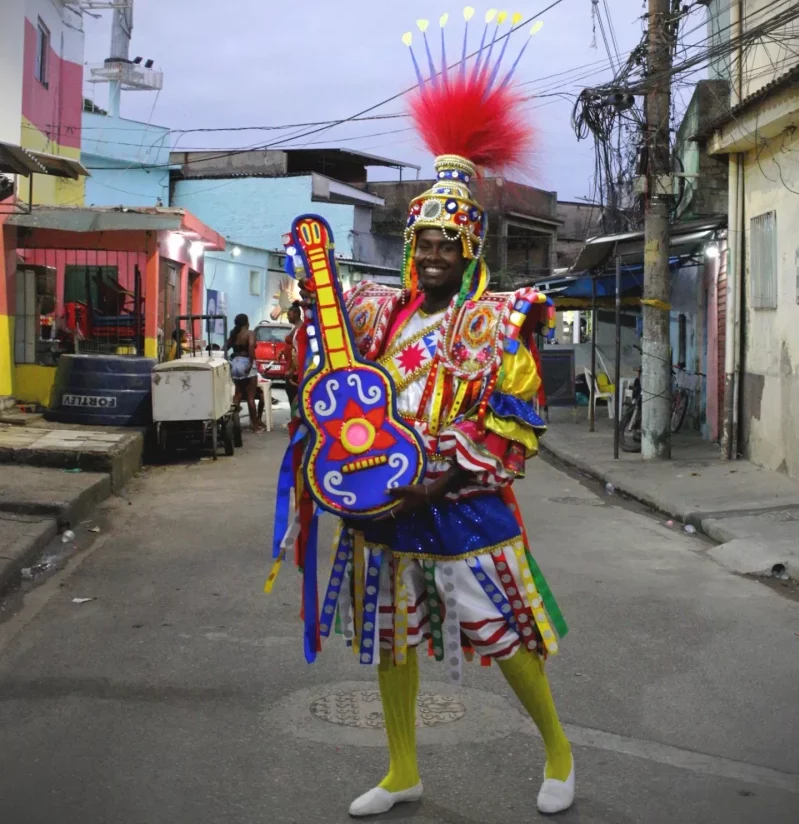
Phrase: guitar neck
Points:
(316, 244)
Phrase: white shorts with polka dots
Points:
(493, 624)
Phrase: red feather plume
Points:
(460, 115)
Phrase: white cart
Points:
(192, 402)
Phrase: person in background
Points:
(242, 367)
(294, 315)
(172, 354)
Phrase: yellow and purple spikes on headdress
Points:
(472, 121)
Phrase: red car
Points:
(270, 350)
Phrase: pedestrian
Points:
(178, 345)
(451, 563)
(294, 315)
(242, 367)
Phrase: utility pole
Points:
(121, 28)
(656, 357)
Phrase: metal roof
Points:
(17, 160)
(119, 219)
(598, 251)
(360, 157)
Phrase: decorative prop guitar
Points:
(359, 445)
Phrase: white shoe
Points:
(556, 796)
(378, 800)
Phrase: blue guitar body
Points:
(359, 446)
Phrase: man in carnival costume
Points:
(456, 569)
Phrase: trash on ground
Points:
(74, 469)
(690, 529)
(67, 535)
(610, 489)
(669, 523)
(94, 529)
(29, 573)
(82, 600)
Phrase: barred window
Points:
(42, 52)
(255, 282)
(763, 260)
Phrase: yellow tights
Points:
(399, 687)
(525, 673)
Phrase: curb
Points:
(28, 547)
(706, 523)
(691, 517)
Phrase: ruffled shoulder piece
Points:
(532, 313)
(371, 307)
(479, 332)
(474, 335)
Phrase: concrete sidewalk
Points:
(32, 502)
(55, 472)
(752, 512)
(115, 451)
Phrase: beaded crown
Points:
(471, 119)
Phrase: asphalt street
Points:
(180, 692)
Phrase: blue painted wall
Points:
(127, 161)
(229, 273)
(259, 210)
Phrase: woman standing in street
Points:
(242, 367)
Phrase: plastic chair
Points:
(603, 390)
(266, 385)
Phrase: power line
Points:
(382, 103)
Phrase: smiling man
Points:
(460, 572)
(450, 565)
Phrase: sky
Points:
(274, 62)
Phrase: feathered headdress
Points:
(471, 119)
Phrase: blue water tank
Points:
(102, 390)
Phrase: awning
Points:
(17, 160)
(577, 292)
(683, 239)
(119, 219)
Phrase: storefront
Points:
(100, 280)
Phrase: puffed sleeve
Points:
(495, 452)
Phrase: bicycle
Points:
(630, 425)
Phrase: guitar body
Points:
(359, 446)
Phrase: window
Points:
(763, 260)
(42, 51)
(255, 282)
(271, 334)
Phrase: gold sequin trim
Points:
(412, 416)
(413, 376)
(511, 544)
(415, 338)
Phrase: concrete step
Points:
(33, 500)
(21, 418)
(115, 452)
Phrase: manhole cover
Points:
(361, 709)
(349, 713)
(570, 501)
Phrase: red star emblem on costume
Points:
(411, 358)
(353, 412)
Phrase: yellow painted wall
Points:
(771, 382)
(53, 191)
(6, 355)
(34, 383)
